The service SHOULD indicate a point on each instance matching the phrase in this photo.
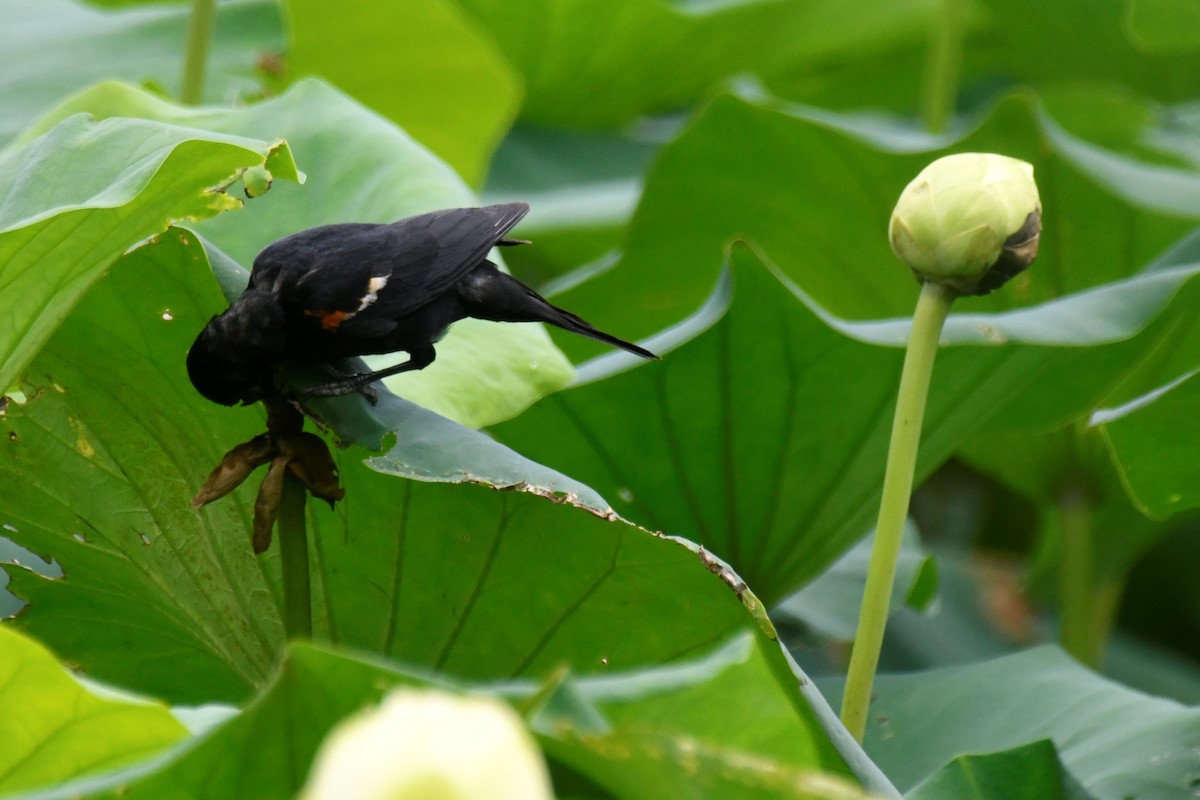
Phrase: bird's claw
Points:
(338, 388)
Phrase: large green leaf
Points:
(1163, 26)
(265, 751)
(154, 595)
(82, 193)
(598, 64)
(422, 63)
(819, 208)
(1087, 41)
(359, 167)
(1031, 770)
(1118, 743)
(362, 168)
(668, 732)
(54, 729)
(762, 436)
(56, 47)
(819, 205)
(490, 584)
(1154, 440)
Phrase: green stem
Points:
(932, 308)
(943, 61)
(293, 553)
(199, 35)
(1088, 605)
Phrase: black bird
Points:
(358, 289)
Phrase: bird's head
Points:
(233, 358)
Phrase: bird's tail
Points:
(568, 321)
(494, 295)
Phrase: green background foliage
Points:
(648, 560)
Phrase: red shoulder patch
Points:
(330, 319)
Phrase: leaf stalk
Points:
(293, 554)
(943, 63)
(1089, 602)
(195, 60)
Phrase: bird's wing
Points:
(360, 277)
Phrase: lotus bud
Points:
(424, 744)
(256, 181)
(969, 221)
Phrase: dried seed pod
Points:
(235, 467)
(266, 504)
(313, 465)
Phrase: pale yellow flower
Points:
(426, 744)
